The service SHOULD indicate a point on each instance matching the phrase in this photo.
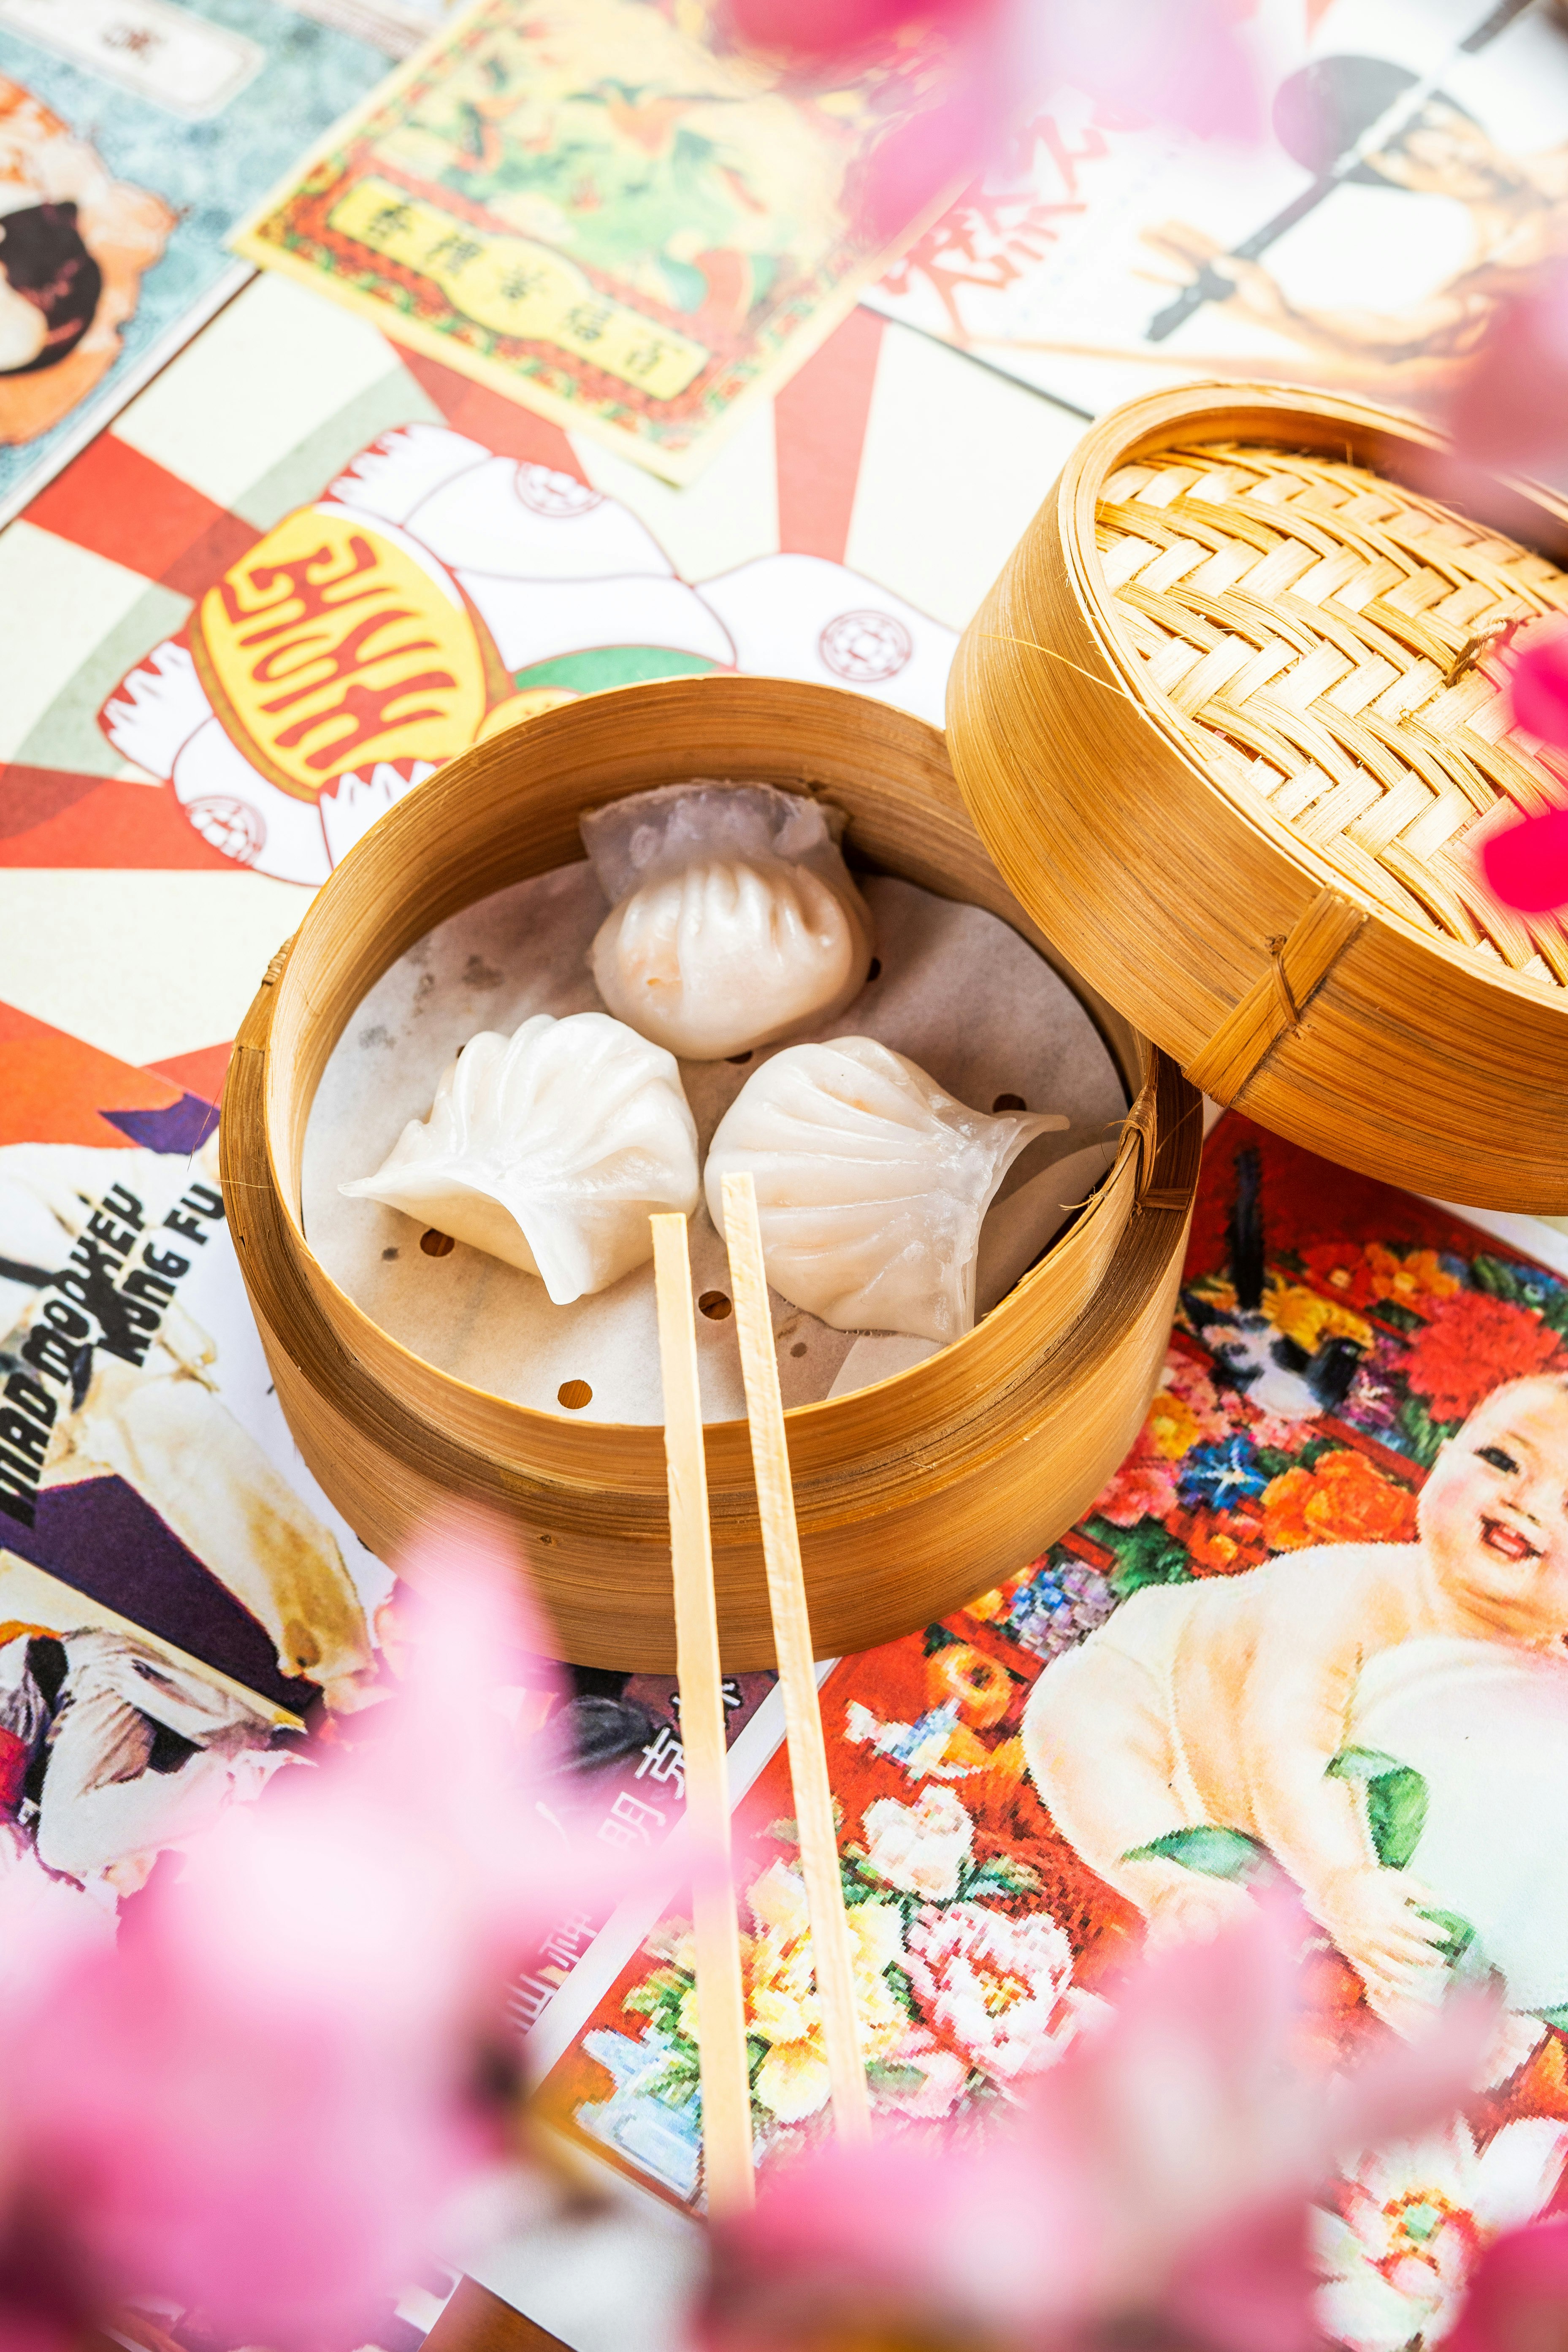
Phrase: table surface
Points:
(143, 892)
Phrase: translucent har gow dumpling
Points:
(550, 1148)
(734, 919)
(871, 1184)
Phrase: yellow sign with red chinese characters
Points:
(331, 645)
(516, 287)
(610, 211)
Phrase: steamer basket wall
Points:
(911, 1495)
(1233, 723)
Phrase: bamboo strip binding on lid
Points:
(909, 1496)
(1233, 724)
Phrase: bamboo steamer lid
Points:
(912, 1494)
(1233, 724)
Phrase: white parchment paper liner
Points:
(957, 990)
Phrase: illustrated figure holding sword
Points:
(1366, 120)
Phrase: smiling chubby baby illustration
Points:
(1224, 1702)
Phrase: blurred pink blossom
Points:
(937, 151)
(1538, 687)
(1411, 2222)
(263, 2102)
(827, 32)
(1517, 2292)
(1158, 2180)
(1507, 415)
(1526, 864)
(1509, 409)
(1178, 61)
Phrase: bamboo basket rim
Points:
(1157, 417)
(285, 1124)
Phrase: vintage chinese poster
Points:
(1413, 175)
(150, 861)
(151, 812)
(112, 219)
(642, 249)
(184, 1615)
(1311, 1634)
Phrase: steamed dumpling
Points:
(550, 1148)
(871, 1184)
(734, 919)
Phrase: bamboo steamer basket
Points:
(911, 1495)
(1232, 723)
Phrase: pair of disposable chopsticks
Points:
(720, 2005)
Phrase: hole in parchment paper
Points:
(875, 970)
(715, 1305)
(435, 1245)
(798, 1348)
(742, 1058)
(574, 1395)
(1009, 1102)
(388, 1252)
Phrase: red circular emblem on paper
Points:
(865, 647)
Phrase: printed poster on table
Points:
(178, 1599)
(158, 839)
(184, 1615)
(1312, 1633)
(598, 208)
(133, 135)
(1106, 257)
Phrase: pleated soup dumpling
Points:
(550, 1148)
(871, 1184)
(734, 922)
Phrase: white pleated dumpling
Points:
(734, 921)
(871, 1184)
(550, 1148)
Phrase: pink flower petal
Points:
(827, 31)
(934, 152)
(1157, 2180)
(1526, 865)
(1509, 406)
(1176, 61)
(1248, 2286)
(1517, 2292)
(262, 2103)
(1157, 60)
(1538, 687)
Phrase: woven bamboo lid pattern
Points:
(1233, 723)
(1336, 642)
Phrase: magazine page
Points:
(645, 257)
(1312, 1633)
(183, 1612)
(111, 120)
(171, 837)
(1411, 177)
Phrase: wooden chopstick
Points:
(792, 1642)
(721, 2002)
